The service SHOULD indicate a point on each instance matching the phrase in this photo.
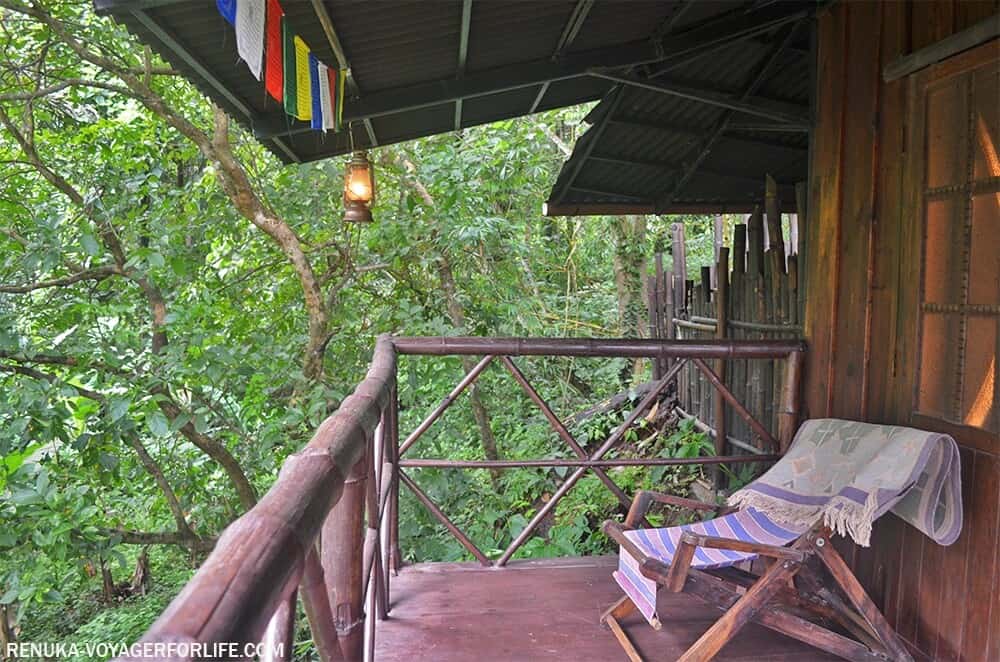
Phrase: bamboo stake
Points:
(722, 315)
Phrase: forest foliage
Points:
(179, 311)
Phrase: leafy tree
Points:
(178, 312)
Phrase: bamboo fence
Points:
(752, 292)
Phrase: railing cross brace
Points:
(610, 443)
(561, 430)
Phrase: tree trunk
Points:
(629, 272)
(457, 315)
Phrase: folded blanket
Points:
(848, 474)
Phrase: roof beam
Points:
(696, 133)
(789, 114)
(566, 39)
(189, 59)
(675, 169)
(608, 194)
(331, 34)
(764, 71)
(570, 65)
(644, 208)
(573, 24)
(593, 136)
(768, 127)
(463, 54)
(543, 88)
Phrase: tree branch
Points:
(193, 542)
(97, 273)
(151, 466)
(62, 85)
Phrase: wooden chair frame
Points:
(790, 597)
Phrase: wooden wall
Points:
(862, 267)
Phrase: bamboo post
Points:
(737, 296)
(704, 310)
(790, 400)
(316, 604)
(721, 324)
(755, 302)
(392, 445)
(661, 310)
(343, 560)
(653, 309)
(280, 634)
(801, 209)
(679, 268)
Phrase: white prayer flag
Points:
(326, 102)
(250, 34)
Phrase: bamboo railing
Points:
(327, 532)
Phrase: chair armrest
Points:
(645, 498)
(773, 551)
(616, 532)
(655, 569)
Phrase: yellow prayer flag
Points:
(303, 85)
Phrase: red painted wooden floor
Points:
(544, 610)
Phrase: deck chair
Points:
(806, 590)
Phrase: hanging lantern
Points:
(359, 189)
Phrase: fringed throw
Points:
(848, 474)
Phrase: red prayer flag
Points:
(274, 80)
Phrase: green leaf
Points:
(90, 245)
(107, 460)
(52, 595)
(157, 423)
(7, 539)
(179, 422)
(10, 596)
(118, 407)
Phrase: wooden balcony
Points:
(545, 610)
(342, 490)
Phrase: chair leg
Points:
(859, 598)
(623, 640)
(724, 629)
(620, 609)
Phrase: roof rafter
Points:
(323, 16)
(592, 137)
(696, 133)
(763, 72)
(566, 39)
(533, 73)
(667, 167)
(572, 28)
(787, 113)
(463, 55)
(604, 193)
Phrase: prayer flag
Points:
(273, 78)
(250, 34)
(315, 93)
(228, 10)
(291, 97)
(303, 86)
(325, 97)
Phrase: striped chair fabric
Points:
(748, 525)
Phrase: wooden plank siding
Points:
(863, 269)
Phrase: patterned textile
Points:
(748, 525)
(848, 474)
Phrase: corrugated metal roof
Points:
(651, 151)
(404, 58)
